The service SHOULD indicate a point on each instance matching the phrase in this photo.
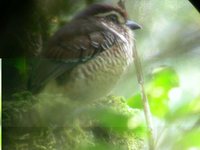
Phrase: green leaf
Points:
(189, 140)
(195, 105)
(111, 119)
(165, 77)
(159, 107)
(185, 110)
(135, 101)
(163, 80)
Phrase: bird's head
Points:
(111, 15)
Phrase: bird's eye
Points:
(113, 18)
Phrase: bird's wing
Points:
(69, 47)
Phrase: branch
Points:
(145, 102)
(140, 79)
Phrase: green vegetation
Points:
(169, 49)
(49, 123)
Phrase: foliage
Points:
(54, 122)
(169, 48)
(184, 117)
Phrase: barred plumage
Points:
(87, 57)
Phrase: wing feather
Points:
(69, 47)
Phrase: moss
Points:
(53, 122)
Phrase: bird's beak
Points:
(133, 25)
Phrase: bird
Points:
(86, 57)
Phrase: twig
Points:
(146, 107)
(139, 73)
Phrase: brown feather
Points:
(100, 8)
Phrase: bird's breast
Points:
(97, 77)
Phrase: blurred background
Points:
(168, 46)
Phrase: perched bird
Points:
(87, 56)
